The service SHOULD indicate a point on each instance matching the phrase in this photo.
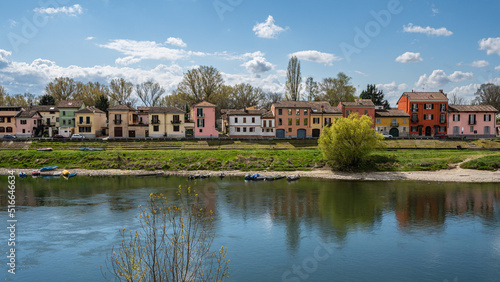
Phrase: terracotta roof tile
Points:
(425, 96)
(26, 114)
(89, 109)
(165, 110)
(204, 104)
(122, 107)
(472, 108)
(70, 104)
(45, 108)
(359, 103)
(391, 113)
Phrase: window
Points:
(486, 130)
(23, 121)
(297, 112)
(305, 112)
(238, 129)
(297, 121)
(443, 108)
(57, 119)
(414, 108)
(235, 120)
(88, 120)
(244, 129)
(176, 128)
(2, 129)
(428, 106)
(176, 119)
(348, 112)
(199, 112)
(280, 112)
(456, 117)
(414, 128)
(244, 120)
(429, 117)
(378, 120)
(442, 119)
(156, 128)
(64, 113)
(2, 119)
(8, 119)
(289, 130)
(201, 122)
(253, 120)
(442, 129)
(264, 124)
(289, 112)
(24, 130)
(404, 121)
(201, 130)
(487, 117)
(81, 129)
(64, 121)
(472, 119)
(328, 121)
(251, 129)
(366, 112)
(81, 120)
(289, 121)
(305, 121)
(9, 129)
(472, 129)
(280, 121)
(315, 120)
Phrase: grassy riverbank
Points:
(245, 160)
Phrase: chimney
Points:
(440, 90)
(322, 108)
(412, 91)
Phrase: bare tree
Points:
(89, 93)
(488, 94)
(271, 98)
(294, 79)
(245, 95)
(150, 93)
(62, 88)
(121, 92)
(201, 83)
(456, 100)
(173, 243)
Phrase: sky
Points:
(398, 45)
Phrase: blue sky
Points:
(398, 45)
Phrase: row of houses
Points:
(418, 114)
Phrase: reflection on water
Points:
(271, 226)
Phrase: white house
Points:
(245, 123)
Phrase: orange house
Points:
(360, 106)
(427, 110)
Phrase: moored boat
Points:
(293, 177)
(22, 174)
(222, 175)
(274, 177)
(44, 149)
(71, 175)
(48, 168)
(35, 173)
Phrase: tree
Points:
(90, 92)
(376, 95)
(102, 103)
(311, 88)
(245, 95)
(3, 94)
(172, 244)
(488, 94)
(348, 141)
(271, 98)
(201, 83)
(150, 93)
(293, 80)
(121, 92)
(62, 88)
(456, 100)
(335, 90)
(47, 100)
(25, 100)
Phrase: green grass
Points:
(246, 160)
(484, 163)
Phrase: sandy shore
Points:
(455, 174)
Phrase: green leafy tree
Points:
(293, 80)
(47, 100)
(121, 92)
(348, 141)
(335, 90)
(3, 94)
(245, 95)
(311, 88)
(376, 95)
(102, 103)
(488, 94)
(62, 88)
(90, 92)
(25, 100)
(150, 93)
(173, 243)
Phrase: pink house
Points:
(473, 121)
(203, 116)
(28, 124)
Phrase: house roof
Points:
(359, 103)
(10, 108)
(204, 104)
(472, 108)
(122, 107)
(268, 114)
(316, 107)
(26, 114)
(425, 96)
(242, 112)
(143, 109)
(45, 108)
(70, 104)
(165, 110)
(89, 109)
(391, 113)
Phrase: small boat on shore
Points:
(71, 175)
(44, 149)
(48, 168)
(91, 149)
(293, 177)
(274, 177)
(222, 175)
(54, 174)
(22, 174)
(149, 174)
(35, 173)
(199, 176)
(254, 177)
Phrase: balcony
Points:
(200, 115)
(472, 122)
(84, 123)
(117, 121)
(394, 124)
(155, 121)
(414, 110)
(414, 120)
(176, 121)
(442, 121)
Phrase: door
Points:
(428, 131)
(316, 132)
(280, 133)
(301, 133)
(420, 131)
(118, 132)
(456, 130)
(131, 133)
(394, 132)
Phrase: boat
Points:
(48, 168)
(71, 175)
(248, 176)
(83, 149)
(22, 174)
(35, 173)
(194, 176)
(44, 149)
(254, 177)
(274, 177)
(293, 177)
(222, 175)
(208, 175)
(91, 149)
(149, 174)
(55, 174)
(65, 173)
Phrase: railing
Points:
(84, 123)
(414, 120)
(117, 121)
(442, 121)
(394, 124)
(155, 121)
(200, 115)
(176, 121)
(414, 110)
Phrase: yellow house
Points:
(50, 117)
(393, 122)
(322, 114)
(168, 122)
(8, 120)
(90, 122)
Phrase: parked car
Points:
(58, 136)
(386, 136)
(9, 136)
(77, 136)
(440, 135)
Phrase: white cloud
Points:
(137, 51)
(258, 65)
(269, 83)
(3, 56)
(491, 45)
(268, 29)
(176, 42)
(466, 91)
(439, 78)
(72, 11)
(435, 11)
(12, 23)
(392, 91)
(361, 73)
(497, 67)
(480, 64)
(315, 56)
(409, 57)
(442, 31)
(89, 38)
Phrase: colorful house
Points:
(393, 122)
(246, 123)
(123, 121)
(90, 122)
(268, 123)
(292, 119)
(67, 109)
(8, 120)
(168, 122)
(28, 124)
(428, 112)
(203, 116)
(360, 106)
(322, 114)
(473, 121)
(50, 118)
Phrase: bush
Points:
(348, 141)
